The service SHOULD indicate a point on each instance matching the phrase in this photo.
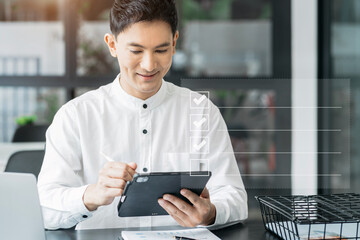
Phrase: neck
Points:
(136, 93)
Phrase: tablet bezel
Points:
(133, 202)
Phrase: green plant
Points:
(25, 120)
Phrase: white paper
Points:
(196, 233)
(332, 230)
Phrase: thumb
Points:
(205, 193)
(133, 165)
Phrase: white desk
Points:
(6, 149)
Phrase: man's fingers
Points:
(114, 183)
(192, 197)
(183, 221)
(131, 167)
(118, 173)
(179, 221)
(172, 210)
(179, 204)
(205, 193)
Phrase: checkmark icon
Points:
(200, 145)
(199, 100)
(200, 122)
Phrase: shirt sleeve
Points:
(60, 181)
(226, 188)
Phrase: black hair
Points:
(127, 12)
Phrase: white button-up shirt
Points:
(174, 130)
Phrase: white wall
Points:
(304, 96)
(44, 40)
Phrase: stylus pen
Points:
(183, 238)
(107, 157)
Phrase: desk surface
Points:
(248, 230)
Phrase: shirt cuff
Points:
(220, 213)
(79, 209)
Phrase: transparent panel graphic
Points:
(258, 123)
(344, 86)
(355, 137)
(32, 38)
(17, 102)
(342, 163)
(250, 119)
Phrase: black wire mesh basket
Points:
(334, 216)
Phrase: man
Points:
(142, 123)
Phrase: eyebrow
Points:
(141, 46)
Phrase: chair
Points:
(26, 162)
(30, 133)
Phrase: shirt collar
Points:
(136, 103)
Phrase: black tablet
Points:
(140, 197)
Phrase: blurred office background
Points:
(244, 52)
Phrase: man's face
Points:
(144, 52)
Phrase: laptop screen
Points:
(20, 211)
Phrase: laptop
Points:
(20, 211)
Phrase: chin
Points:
(149, 87)
(147, 90)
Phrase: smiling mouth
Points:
(147, 75)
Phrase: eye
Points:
(161, 51)
(135, 52)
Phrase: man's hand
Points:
(203, 212)
(111, 183)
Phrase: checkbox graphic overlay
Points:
(199, 100)
(199, 122)
(197, 165)
(199, 145)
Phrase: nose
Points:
(148, 62)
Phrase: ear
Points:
(176, 36)
(110, 42)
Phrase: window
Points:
(16, 102)
(339, 92)
(93, 57)
(225, 38)
(34, 36)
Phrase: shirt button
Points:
(84, 216)
(144, 131)
(144, 106)
(145, 169)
